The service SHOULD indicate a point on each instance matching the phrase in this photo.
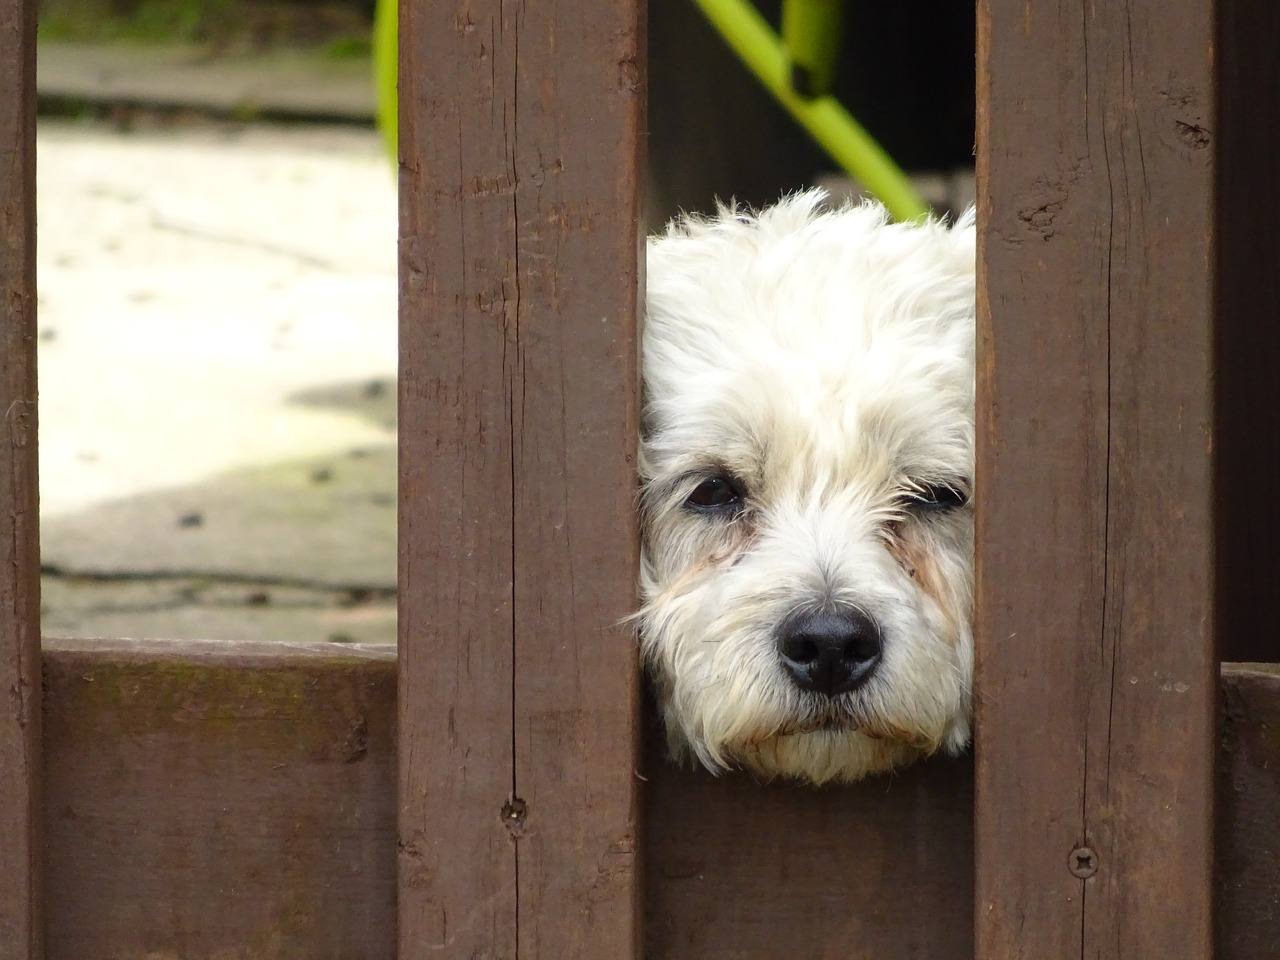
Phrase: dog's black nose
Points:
(829, 652)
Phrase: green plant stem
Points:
(386, 59)
(825, 119)
(811, 38)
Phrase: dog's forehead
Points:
(832, 395)
(802, 343)
(782, 430)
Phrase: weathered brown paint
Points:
(20, 919)
(238, 800)
(210, 800)
(520, 168)
(742, 870)
(1096, 692)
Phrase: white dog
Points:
(807, 464)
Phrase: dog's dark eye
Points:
(928, 497)
(716, 493)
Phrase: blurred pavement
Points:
(218, 348)
(217, 399)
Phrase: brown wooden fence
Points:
(1097, 673)
(497, 792)
(21, 922)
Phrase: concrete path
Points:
(291, 82)
(217, 362)
(218, 350)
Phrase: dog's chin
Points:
(827, 751)
(823, 747)
(825, 741)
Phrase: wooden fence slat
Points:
(1096, 669)
(520, 169)
(739, 869)
(209, 799)
(212, 799)
(458, 275)
(20, 917)
(577, 163)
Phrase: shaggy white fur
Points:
(807, 457)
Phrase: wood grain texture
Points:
(458, 303)
(736, 870)
(579, 89)
(219, 800)
(1096, 667)
(520, 168)
(238, 800)
(20, 918)
(1248, 428)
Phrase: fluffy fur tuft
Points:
(808, 380)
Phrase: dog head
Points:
(807, 464)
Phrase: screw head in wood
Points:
(1083, 863)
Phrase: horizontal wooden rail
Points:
(238, 800)
(219, 800)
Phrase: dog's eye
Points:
(927, 497)
(716, 493)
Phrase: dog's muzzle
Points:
(829, 652)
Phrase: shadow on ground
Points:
(304, 550)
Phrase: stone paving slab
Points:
(195, 608)
(217, 360)
(281, 81)
(329, 522)
(217, 363)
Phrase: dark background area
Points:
(906, 73)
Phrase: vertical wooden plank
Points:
(1096, 669)
(520, 174)
(20, 919)
(1248, 348)
(458, 301)
(577, 162)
